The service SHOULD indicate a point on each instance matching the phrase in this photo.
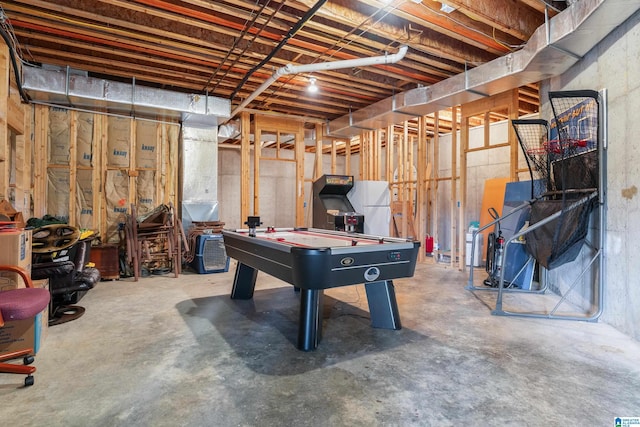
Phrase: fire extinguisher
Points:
(428, 244)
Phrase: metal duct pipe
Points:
(324, 66)
(199, 174)
(553, 48)
(64, 87)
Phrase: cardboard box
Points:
(28, 333)
(16, 250)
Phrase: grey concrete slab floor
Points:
(179, 352)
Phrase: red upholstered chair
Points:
(20, 304)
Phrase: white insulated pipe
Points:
(323, 66)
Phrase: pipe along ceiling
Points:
(554, 47)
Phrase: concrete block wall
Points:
(613, 65)
(229, 187)
(277, 187)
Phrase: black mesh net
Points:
(559, 241)
(533, 136)
(564, 166)
(573, 143)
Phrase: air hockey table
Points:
(313, 260)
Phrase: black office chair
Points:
(60, 256)
(20, 304)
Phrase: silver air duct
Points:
(553, 48)
(68, 88)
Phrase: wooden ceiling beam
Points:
(170, 11)
(182, 44)
(507, 16)
(193, 58)
(318, 32)
(333, 84)
(428, 15)
(118, 68)
(540, 6)
(114, 27)
(428, 38)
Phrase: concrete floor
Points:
(179, 352)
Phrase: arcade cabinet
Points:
(331, 207)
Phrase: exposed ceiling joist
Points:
(204, 46)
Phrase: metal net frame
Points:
(533, 137)
(574, 140)
(566, 158)
(563, 161)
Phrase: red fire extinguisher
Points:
(428, 244)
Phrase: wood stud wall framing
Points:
(390, 154)
(164, 183)
(16, 127)
(408, 160)
(483, 107)
(414, 195)
(278, 126)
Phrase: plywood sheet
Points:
(403, 225)
(493, 197)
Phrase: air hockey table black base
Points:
(381, 298)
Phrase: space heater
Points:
(210, 255)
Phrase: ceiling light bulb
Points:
(446, 8)
(312, 85)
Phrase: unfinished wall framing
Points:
(504, 102)
(285, 170)
(454, 165)
(402, 178)
(279, 130)
(16, 150)
(91, 167)
(437, 183)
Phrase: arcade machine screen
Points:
(331, 207)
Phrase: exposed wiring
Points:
(76, 22)
(247, 25)
(387, 10)
(336, 47)
(510, 47)
(6, 24)
(307, 16)
(12, 54)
